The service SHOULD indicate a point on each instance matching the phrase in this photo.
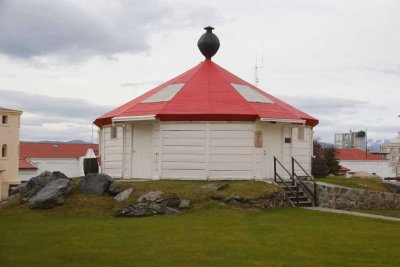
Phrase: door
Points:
(142, 151)
(272, 148)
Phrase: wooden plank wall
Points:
(208, 150)
(198, 150)
(112, 152)
(302, 149)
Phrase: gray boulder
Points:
(51, 195)
(115, 188)
(153, 196)
(184, 203)
(95, 184)
(146, 209)
(154, 203)
(215, 187)
(36, 184)
(124, 195)
(18, 189)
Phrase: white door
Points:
(272, 148)
(142, 151)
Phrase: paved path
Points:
(355, 213)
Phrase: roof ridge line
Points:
(183, 87)
(219, 69)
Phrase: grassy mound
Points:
(370, 184)
(78, 204)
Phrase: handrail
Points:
(313, 194)
(295, 193)
(283, 167)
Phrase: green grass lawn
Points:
(83, 232)
(358, 183)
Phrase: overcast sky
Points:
(66, 62)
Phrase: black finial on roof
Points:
(208, 43)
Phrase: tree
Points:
(331, 161)
(324, 161)
(319, 168)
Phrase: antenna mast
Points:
(257, 67)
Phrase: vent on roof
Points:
(165, 94)
(250, 94)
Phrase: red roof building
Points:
(356, 160)
(36, 157)
(54, 150)
(24, 164)
(207, 92)
(206, 123)
(356, 154)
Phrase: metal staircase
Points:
(299, 194)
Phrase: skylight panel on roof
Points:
(250, 94)
(165, 94)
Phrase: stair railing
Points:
(312, 193)
(276, 175)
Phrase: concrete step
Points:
(307, 203)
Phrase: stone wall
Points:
(338, 197)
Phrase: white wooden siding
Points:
(112, 153)
(231, 151)
(127, 150)
(184, 151)
(71, 167)
(302, 149)
(214, 150)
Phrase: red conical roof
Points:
(208, 92)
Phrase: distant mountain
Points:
(375, 145)
(77, 142)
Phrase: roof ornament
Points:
(208, 43)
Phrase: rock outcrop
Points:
(155, 203)
(124, 195)
(36, 184)
(95, 184)
(115, 188)
(53, 194)
(272, 200)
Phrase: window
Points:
(251, 94)
(114, 132)
(300, 133)
(4, 151)
(166, 94)
(4, 119)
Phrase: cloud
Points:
(134, 84)
(50, 106)
(74, 132)
(77, 30)
(53, 118)
(340, 115)
(324, 105)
